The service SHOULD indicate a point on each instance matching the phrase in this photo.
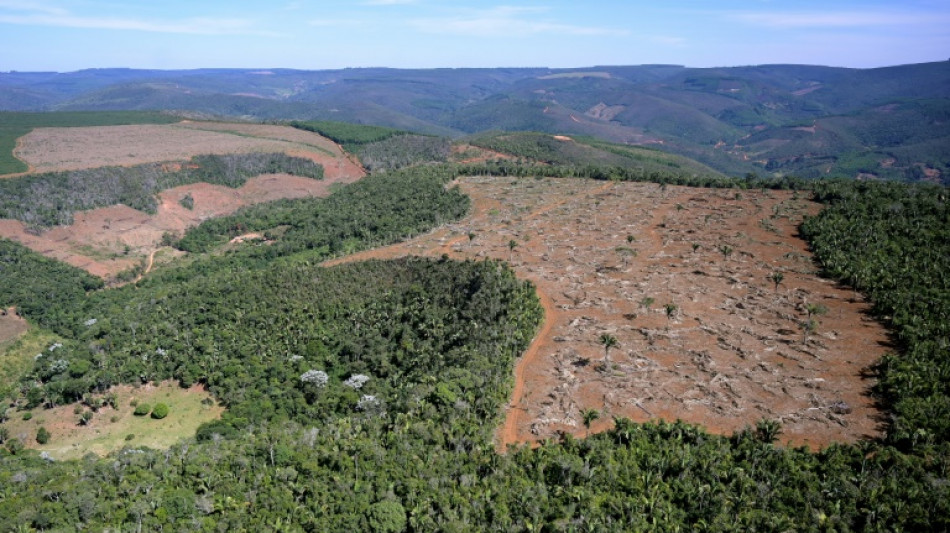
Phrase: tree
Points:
(767, 431)
(670, 309)
(42, 435)
(776, 278)
(160, 411)
(512, 244)
(813, 310)
(589, 415)
(810, 323)
(626, 253)
(609, 341)
(387, 516)
(14, 446)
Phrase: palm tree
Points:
(670, 309)
(810, 324)
(589, 415)
(626, 253)
(776, 278)
(609, 341)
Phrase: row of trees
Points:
(892, 242)
(377, 209)
(380, 148)
(50, 199)
(671, 176)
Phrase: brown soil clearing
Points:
(110, 240)
(729, 352)
(11, 326)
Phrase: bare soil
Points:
(113, 239)
(468, 153)
(11, 326)
(729, 350)
(54, 149)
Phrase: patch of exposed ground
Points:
(53, 149)
(110, 428)
(468, 153)
(727, 352)
(606, 112)
(11, 326)
(113, 239)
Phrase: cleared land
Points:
(704, 334)
(14, 125)
(110, 240)
(11, 326)
(109, 428)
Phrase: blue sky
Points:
(67, 35)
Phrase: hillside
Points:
(110, 188)
(736, 120)
(339, 381)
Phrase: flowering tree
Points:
(317, 377)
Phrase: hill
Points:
(365, 396)
(737, 120)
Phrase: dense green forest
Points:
(363, 397)
(51, 198)
(378, 209)
(892, 242)
(350, 136)
(380, 148)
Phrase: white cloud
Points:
(26, 5)
(330, 23)
(28, 13)
(198, 26)
(389, 2)
(506, 21)
(841, 19)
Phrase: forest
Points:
(380, 148)
(51, 198)
(364, 396)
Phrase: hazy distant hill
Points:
(783, 119)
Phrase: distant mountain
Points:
(772, 119)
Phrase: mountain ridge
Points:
(736, 119)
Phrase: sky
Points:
(69, 35)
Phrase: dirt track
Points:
(730, 351)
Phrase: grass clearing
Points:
(109, 428)
(18, 349)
